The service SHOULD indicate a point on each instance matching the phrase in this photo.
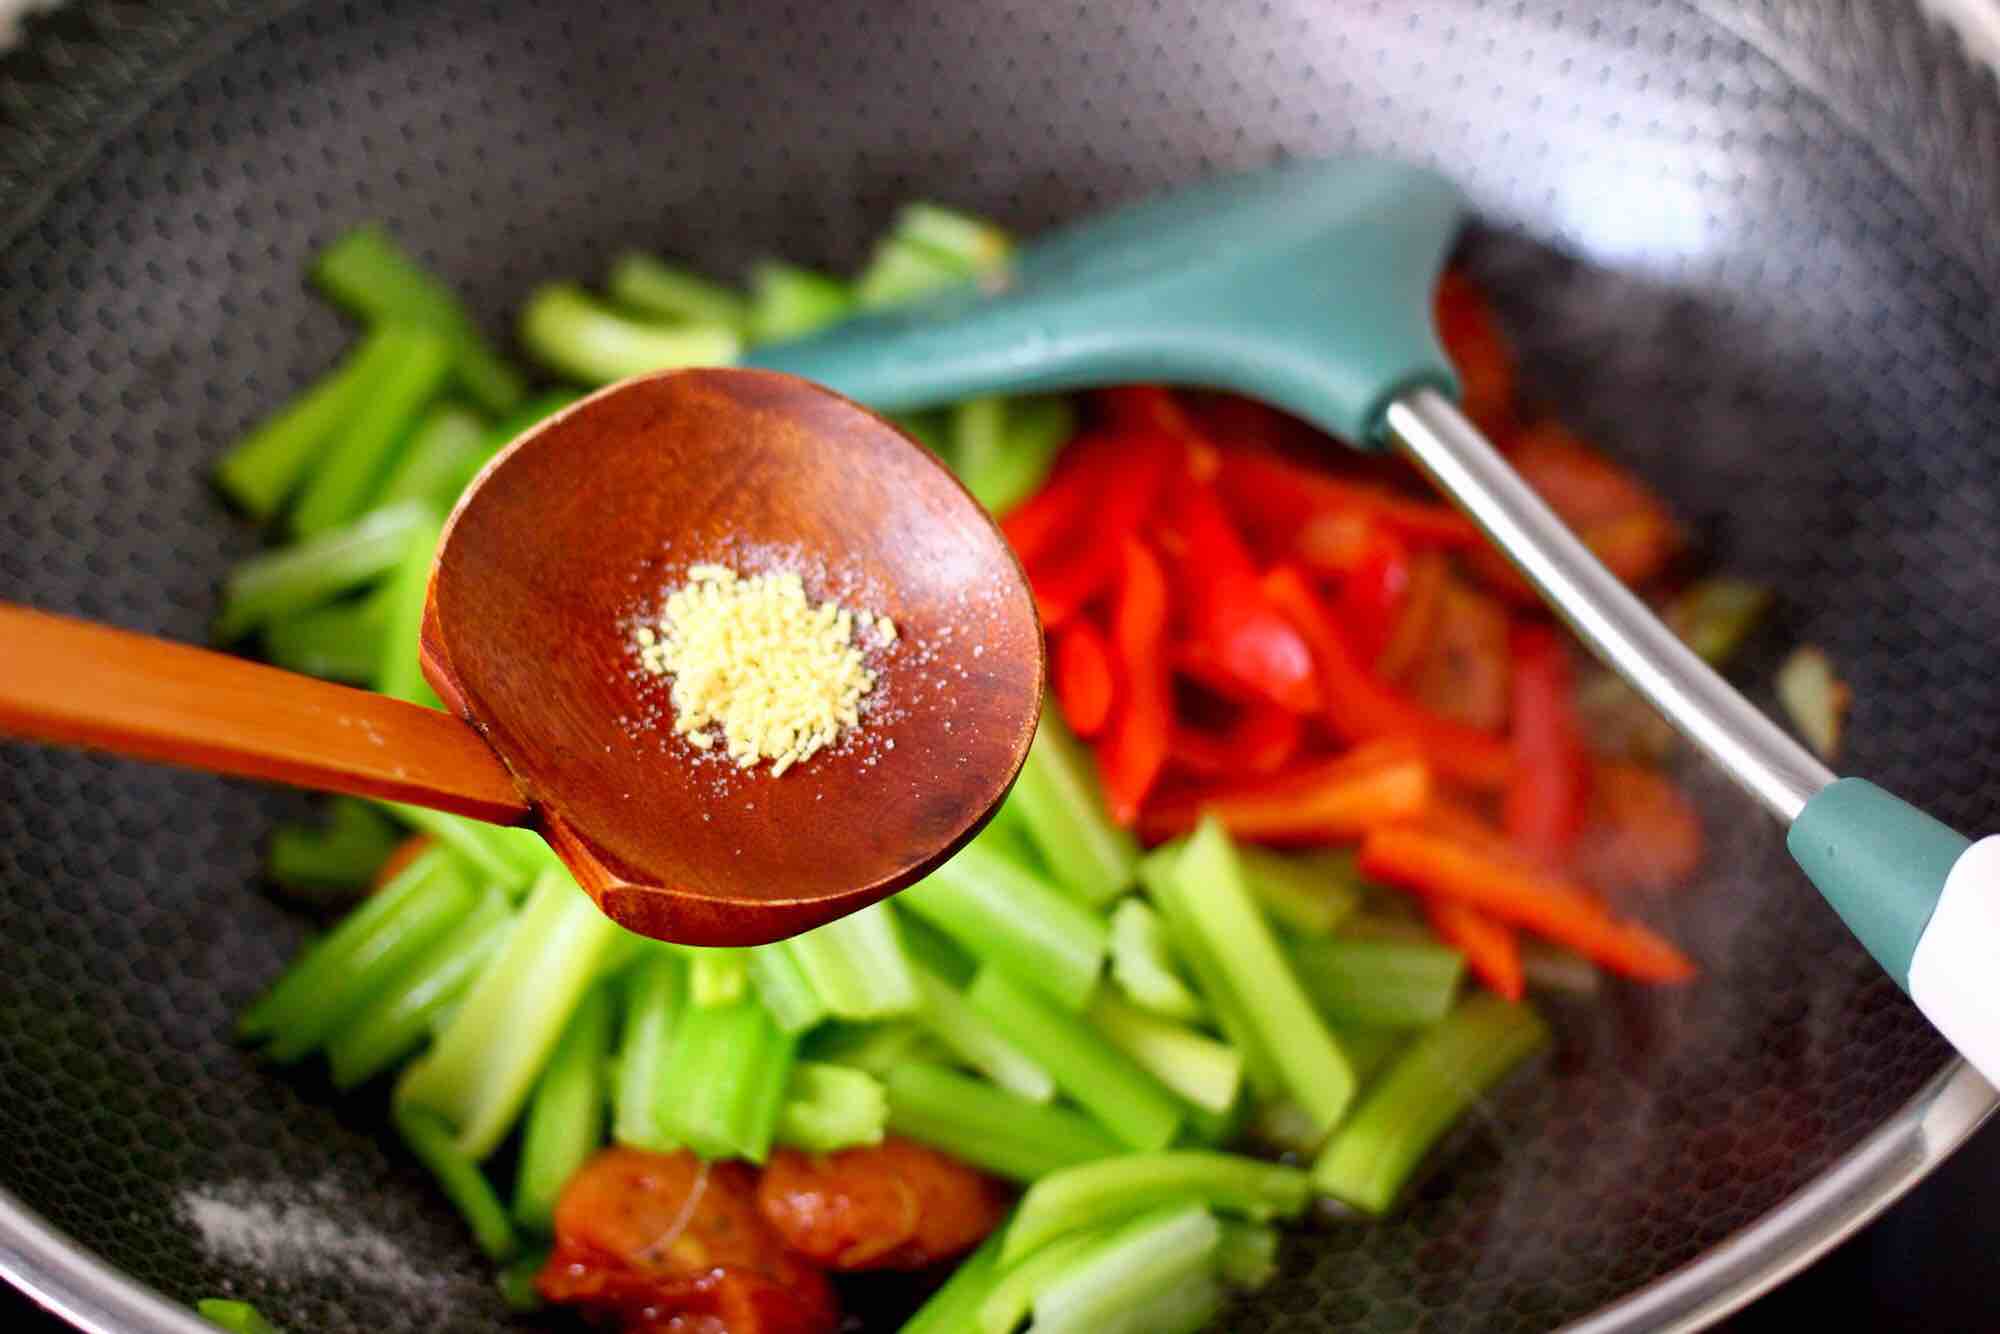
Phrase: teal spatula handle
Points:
(1923, 898)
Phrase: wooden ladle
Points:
(569, 533)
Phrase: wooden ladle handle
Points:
(78, 684)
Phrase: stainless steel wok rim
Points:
(87, 100)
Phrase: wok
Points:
(1750, 247)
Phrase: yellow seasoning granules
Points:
(777, 676)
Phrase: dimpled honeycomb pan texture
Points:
(1748, 247)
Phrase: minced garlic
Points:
(779, 677)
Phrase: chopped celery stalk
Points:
(1553, 968)
(654, 995)
(1313, 893)
(533, 412)
(976, 1042)
(1153, 1253)
(1059, 801)
(954, 1308)
(565, 1121)
(266, 466)
(236, 1317)
(1142, 963)
(400, 672)
(1185, 1307)
(789, 302)
(1388, 921)
(1282, 1125)
(1010, 1300)
(929, 429)
(1431, 1085)
(368, 273)
(718, 976)
(398, 1021)
(1370, 1050)
(876, 1048)
(974, 243)
(430, 1138)
(650, 287)
(512, 858)
(1123, 1098)
(988, 1127)
(787, 993)
(483, 1065)
(857, 965)
(517, 1283)
(1156, 872)
(289, 580)
(1011, 918)
(1379, 983)
(1002, 468)
(404, 368)
(1205, 1072)
(830, 1107)
(724, 1081)
(352, 964)
(585, 340)
(448, 447)
(1214, 1130)
(1814, 698)
(342, 642)
(931, 948)
(903, 270)
(1095, 1193)
(1247, 1254)
(1715, 616)
(1209, 894)
(335, 860)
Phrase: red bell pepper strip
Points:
(1061, 508)
(1331, 800)
(1549, 790)
(1133, 749)
(1134, 469)
(1260, 740)
(1084, 681)
(1254, 481)
(1490, 948)
(1371, 595)
(1641, 833)
(1361, 707)
(1417, 618)
(1428, 863)
(1478, 350)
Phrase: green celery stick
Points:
(587, 341)
(289, 580)
(857, 965)
(236, 1317)
(1371, 1050)
(333, 861)
(875, 1048)
(1205, 1072)
(516, 1281)
(930, 948)
(511, 858)
(1309, 892)
(974, 1040)
(655, 995)
(954, 1308)
(480, 1070)
(989, 1127)
(718, 976)
(399, 1020)
(565, 1121)
(1143, 966)
(829, 1107)
(1154, 1253)
(1210, 896)
(341, 642)
(977, 245)
(447, 448)
(1011, 1299)
(365, 271)
(1092, 1194)
(430, 1138)
(399, 673)
(266, 466)
(1003, 457)
(788, 995)
(1247, 1254)
(1185, 1306)
(724, 1081)
(1431, 1085)
(789, 302)
(1009, 917)
(931, 429)
(1059, 801)
(404, 368)
(902, 270)
(654, 288)
(1127, 1101)
(1379, 983)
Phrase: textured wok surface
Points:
(1745, 246)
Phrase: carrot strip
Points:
(1133, 749)
(1490, 948)
(1550, 788)
(1082, 675)
(1432, 864)
(1338, 799)
(1362, 708)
